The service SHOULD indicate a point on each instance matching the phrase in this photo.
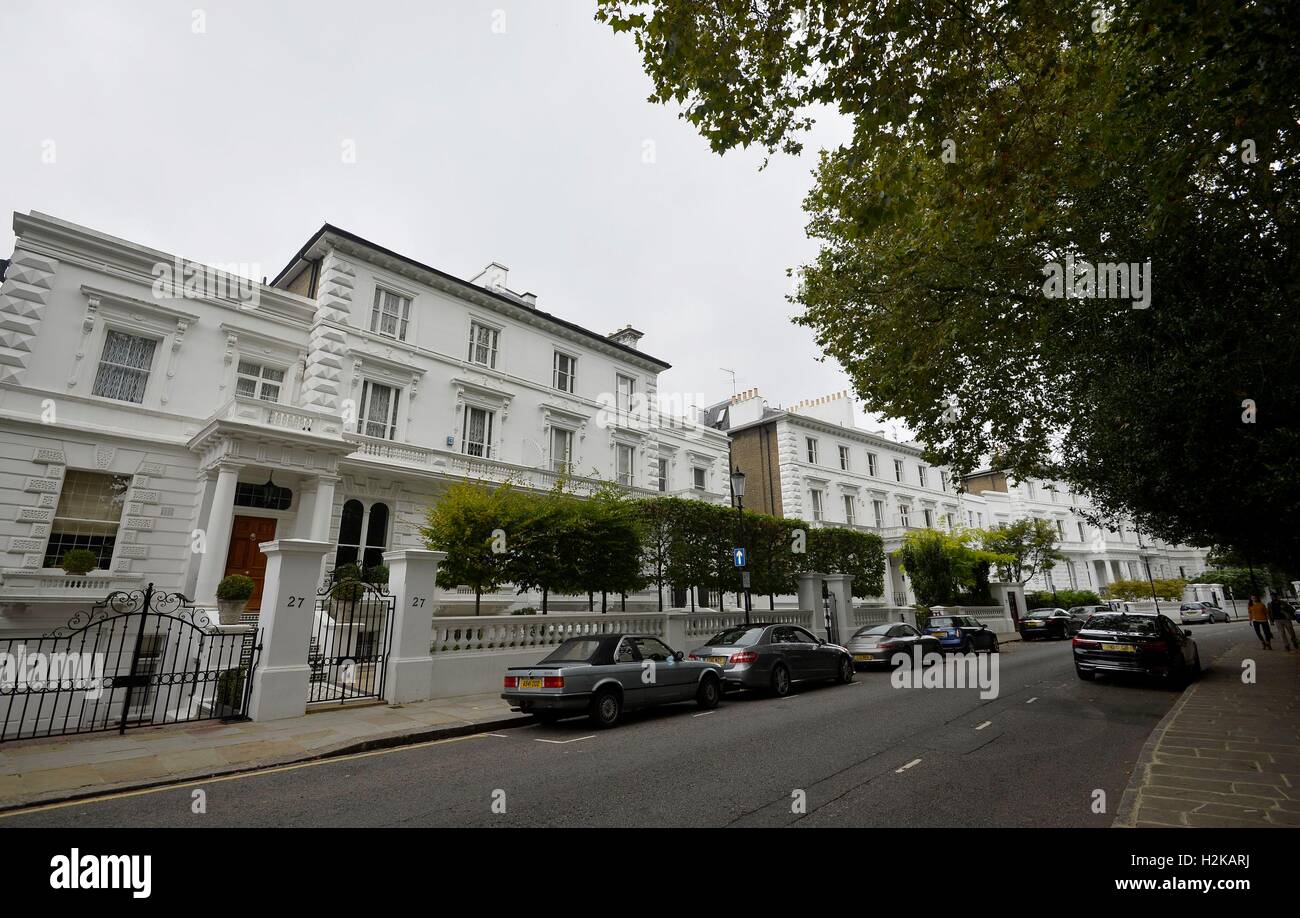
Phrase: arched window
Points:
(376, 535)
(349, 534)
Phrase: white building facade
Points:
(811, 461)
(170, 418)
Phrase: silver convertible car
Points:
(771, 657)
(606, 674)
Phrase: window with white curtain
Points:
(878, 508)
(625, 390)
(561, 449)
(663, 475)
(254, 380)
(483, 344)
(625, 468)
(391, 314)
(871, 464)
(124, 367)
(816, 497)
(377, 416)
(848, 509)
(476, 438)
(88, 515)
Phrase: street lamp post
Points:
(738, 489)
(1146, 559)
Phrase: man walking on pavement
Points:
(1259, 621)
(1280, 613)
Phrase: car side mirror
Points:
(679, 655)
(821, 640)
(1187, 632)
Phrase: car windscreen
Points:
(872, 629)
(1041, 613)
(574, 650)
(1127, 624)
(736, 637)
(942, 621)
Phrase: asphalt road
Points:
(864, 754)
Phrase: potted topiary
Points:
(79, 561)
(377, 575)
(347, 587)
(233, 593)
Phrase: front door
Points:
(245, 557)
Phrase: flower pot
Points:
(229, 610)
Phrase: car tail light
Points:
(512, 682)
(1085, 644)
(691, 656)
(886, 645)
(745, 656)
(1156, 646)
(553, 682)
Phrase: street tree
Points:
(1060, 237)
(1029, 547)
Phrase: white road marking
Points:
(565, 742)
(983, 725)
(899, 771)
(1032, 700)
(704, 713)
(499, 735)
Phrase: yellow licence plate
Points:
(1121, 648)
(721, 661)
(531, 683)
(864, 657)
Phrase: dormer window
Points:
(391, 314)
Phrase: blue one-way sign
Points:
(738, 555)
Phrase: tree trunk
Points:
(591, 602)
(604, 602)
(478, 595)
(544, 593)
(771, 601)
(622, 602)
(691, 590)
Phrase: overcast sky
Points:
(514, 131)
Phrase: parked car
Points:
(1081, 613)
(1049, 623)
(962, 633)
(1191, 613)
(604, 675)
(773, 657)
(875, 644)
(1136, 642)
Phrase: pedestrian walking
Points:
(1280, 614)
(1259, 621)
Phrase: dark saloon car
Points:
(962, 633)
(772, 657)
(603, 675)
(877, 644)
(1049, 623)
(1136, 642)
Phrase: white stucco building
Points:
(170, 417)
(811, 461)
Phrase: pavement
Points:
(58, 768)
(1050, 750)
(1228, 753)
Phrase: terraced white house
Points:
(169, 417)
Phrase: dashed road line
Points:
(899, 771)
(1032, 700)
(565, 742)
(983, 725)
(704, 713)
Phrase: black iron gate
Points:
(142, 658)
(350, 640)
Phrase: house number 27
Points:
(297, 602)
(417, 602)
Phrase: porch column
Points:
(306, 517)
(281, 678)
(221, 516)
(411, 576)
(324, 508)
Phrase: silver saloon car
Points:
(771, 657)
(877, 644)
(604, 675)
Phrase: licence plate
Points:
(721, 661)
(531, 683)
(864, 657)
(1034, 624)
(1121, 648)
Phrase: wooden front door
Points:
(245, 557)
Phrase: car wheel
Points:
(708, 694)
(780, 680)
(967, 646)
(993, 645)
(847, 669)
(1084, 674)
(606, 708)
